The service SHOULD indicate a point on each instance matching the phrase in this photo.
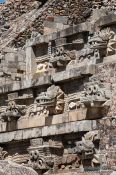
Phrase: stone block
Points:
(52, 130)
(61, 128)
(41, 80)
(30, 122)
(66, 75)
(106, 20)
(23, 123)
(67, 127)
(37, 141)
(56, 119)
(109, 59)
(3, 126)
(45, 131)
(23, 134)
(61, 19)
(77, 115)
(36, 121)
(31, 133)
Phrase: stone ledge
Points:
(106, 20)
(74, 73)
(83, 27)
(65, 128)
(42, 80)
(43, 121)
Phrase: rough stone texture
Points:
(49, 130)
(8, 168)
(58, 87)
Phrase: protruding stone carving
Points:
(45, 157)
(35, 34)
(52, 100)
(42, 68)
(86, 148)
(104, 41)
(62, 57)
(3, 154)
(53, 156)
(12, 111)
(85, 55)
(95, 95)
(96, 98)
(19, 159)
(36, 110)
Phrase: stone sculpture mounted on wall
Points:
(96, 94)
(86, 149)
(47, 103)
(104, 41)
(62, 57)
(53, 156)
(45, 158)
(12, 111)
(96, 98)
(86, 56)
(52, 100)
(42, 68)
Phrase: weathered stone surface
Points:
(74, 73)
(48, 130)
(8, 168)
(58, 87)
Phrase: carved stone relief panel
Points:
(104, 41)
(48, 103)
(54, 156)
(12, 111)
(62, 57)
(96, 97)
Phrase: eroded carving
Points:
(53, 156)
(96, 99)
(48, 103)
(52, 100)
(12, 111)
(18, 158)
(62, 57)
(104, 41)
(42, 68)
(46, 157)
(96, 95)
(86, 148)
(3, 154)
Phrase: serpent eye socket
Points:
(40, 162)
(36, 154)
(57, 51)
(31, 155)
(80, 145)
(61, 49)
(99, 94)
(94, 89)
(11, 104)
(90, 89)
